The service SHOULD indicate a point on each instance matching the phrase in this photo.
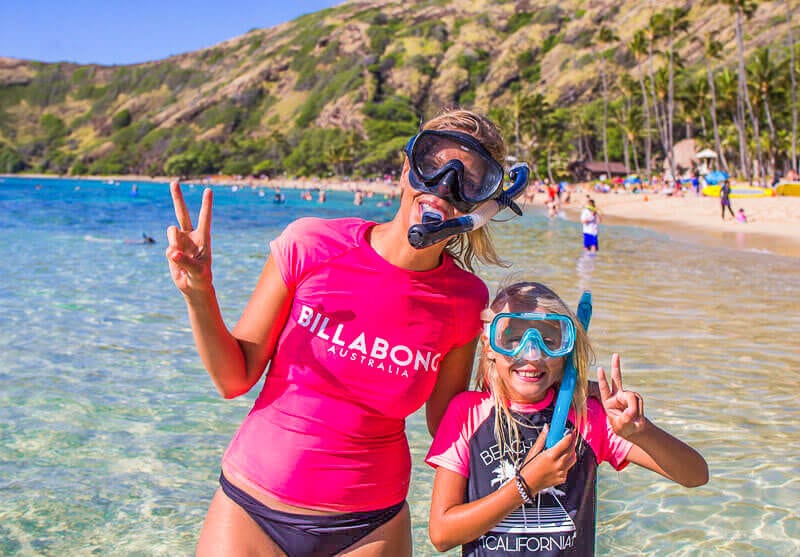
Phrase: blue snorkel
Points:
(565, 392)
(434, 231)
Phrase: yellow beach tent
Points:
(739, 191)
(788, 188)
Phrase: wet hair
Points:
(527, 297)
(477, 244)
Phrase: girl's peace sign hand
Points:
(625, 409)
(189, 250)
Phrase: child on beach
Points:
(740, 216)
(496, 491)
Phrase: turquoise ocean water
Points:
(111, 431)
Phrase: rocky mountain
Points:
(340, 90)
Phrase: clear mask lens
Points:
(549, 335)
(479, 175)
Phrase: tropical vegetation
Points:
(340, 91)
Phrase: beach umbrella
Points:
(632, 179)
(706, 154)
(715, 177)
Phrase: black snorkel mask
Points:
(455, 167)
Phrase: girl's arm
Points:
(455, 371)
(454, 522)
(653, 448)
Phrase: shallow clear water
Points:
(111, 432)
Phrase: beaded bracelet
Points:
(524, 492)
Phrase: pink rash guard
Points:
(360, 352)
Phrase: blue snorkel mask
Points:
(455, 167)
(535, 336)
(531, 336)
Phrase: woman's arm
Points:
(235, 361)
(453, 378)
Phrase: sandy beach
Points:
(773, 222)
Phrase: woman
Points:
(359, 329)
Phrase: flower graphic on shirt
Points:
(503, 473)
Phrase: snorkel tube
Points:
(564, 399)
(433, 231)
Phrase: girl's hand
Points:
(548, 468)
(189, 250)
(625, 409)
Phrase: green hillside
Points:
(341, 90)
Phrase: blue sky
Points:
(130, 31)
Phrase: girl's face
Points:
(527, 380)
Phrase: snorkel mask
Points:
(531, 336)
(517, 337)
(455, 167)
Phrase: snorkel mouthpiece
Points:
(446, 185)
(430, 217)
(432, 231)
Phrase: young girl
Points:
(496, 491)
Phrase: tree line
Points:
(645, 98)
(746, 113)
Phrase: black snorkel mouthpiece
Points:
(434, 229)
(446, 185)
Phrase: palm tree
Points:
(727, 86)
(743, 9)
(552, 127)
(628, 117)
(670, 23)
(692, 95)
(712, 48)
(523, 111)
(764, 75)
(794, 85)
(605, 36)
(638, 46)
(652, 31)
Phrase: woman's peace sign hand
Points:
(189, 250)
(625, 409)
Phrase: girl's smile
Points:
(529, 381)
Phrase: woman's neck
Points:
(390, 241)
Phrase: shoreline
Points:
(329, 184)
(773, 225)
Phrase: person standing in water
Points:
(590, 219)
(497, 491)
(359, 330)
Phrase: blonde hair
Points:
(522, 297)
(476, 244)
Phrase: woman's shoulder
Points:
(325, 227)
(466, 284)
